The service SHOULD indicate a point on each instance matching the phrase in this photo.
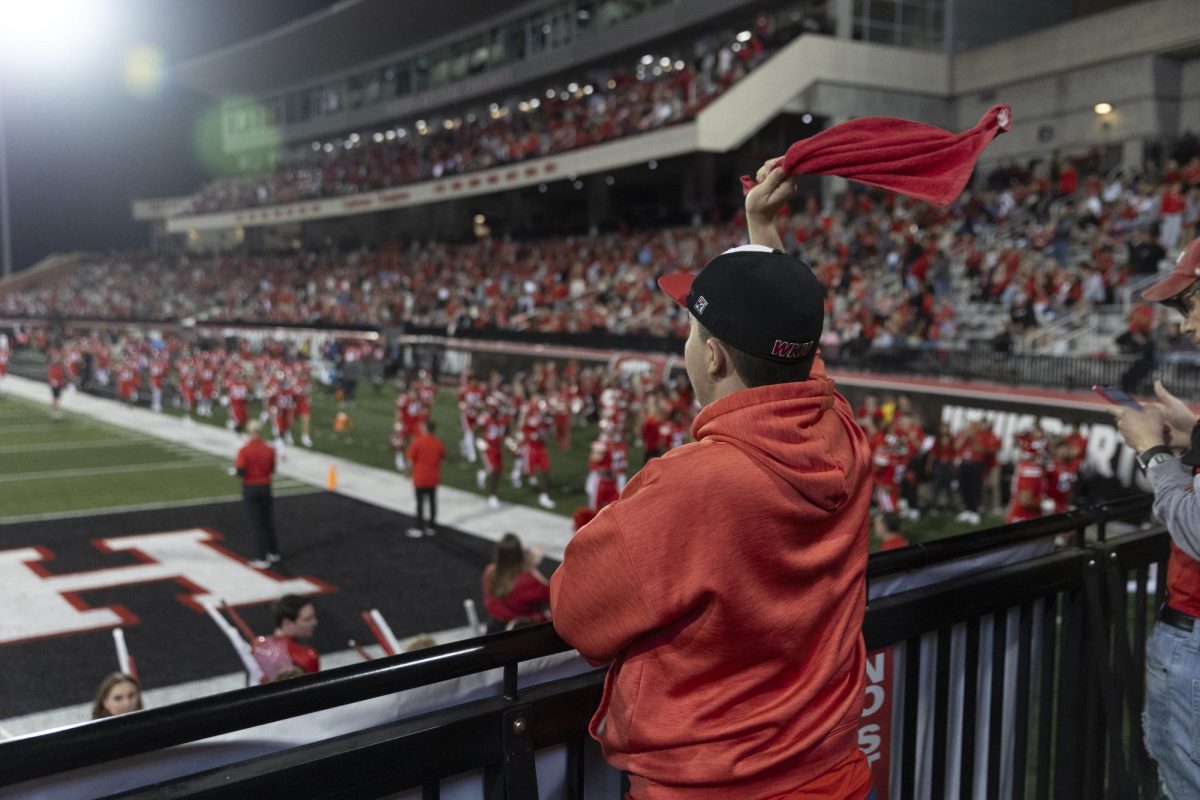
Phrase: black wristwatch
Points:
(1155, 455)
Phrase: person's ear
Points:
(717, 360)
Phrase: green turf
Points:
(76, 464)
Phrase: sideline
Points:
(465, 511)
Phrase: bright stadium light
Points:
(50, 31)
(44, 34)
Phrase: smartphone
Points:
(1117, 396)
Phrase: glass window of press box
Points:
(918, 24)
(554, 27)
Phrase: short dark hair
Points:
(891, 521)
(1182, 302)
(430, 425)
(755, 371)
(289, 607)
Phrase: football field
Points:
(75, 465)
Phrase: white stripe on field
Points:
(127, 509)
(81, 473)
(144, 441)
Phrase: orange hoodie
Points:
(728, 587)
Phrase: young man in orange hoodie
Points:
(727, 585)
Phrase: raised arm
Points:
(763, 202)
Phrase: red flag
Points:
(910, 158)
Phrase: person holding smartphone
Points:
(1157, 432)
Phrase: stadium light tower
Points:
(44, 34)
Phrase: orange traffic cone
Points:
(332, 483)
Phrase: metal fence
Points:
(1017, 680)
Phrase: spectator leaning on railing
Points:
(1172, 715)
(698, 582)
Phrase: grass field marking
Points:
(128, 441)
(80, 473)
(127, 509)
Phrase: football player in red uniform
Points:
(493, 430)
(534, 427)
(470, 407)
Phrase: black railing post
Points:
(1070, 740)
(520, 776)
(1106, 675)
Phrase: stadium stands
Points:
(1027, 252)
(605, 104)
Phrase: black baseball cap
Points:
(761, 301)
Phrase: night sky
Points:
(81, 146)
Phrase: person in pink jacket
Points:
(727, 585)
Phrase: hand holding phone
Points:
(1117, 396)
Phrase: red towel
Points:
(910, 158)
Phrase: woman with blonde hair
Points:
(513, 589)
(118, 694)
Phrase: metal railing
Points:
(1024, 680)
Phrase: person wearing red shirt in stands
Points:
(1171, 208)
(425, 456)
(256, 464)
(296, 618)
(56, 377)
(513, 589)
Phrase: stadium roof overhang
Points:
(343, 36)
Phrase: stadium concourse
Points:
(347, 548)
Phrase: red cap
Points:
(1186, 272)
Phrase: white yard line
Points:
(100, 510)
(97, 444)
(82, 473)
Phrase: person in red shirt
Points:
(661, 579)
(887, 532)
(425, 456)
(256, 464)
(513, 589)
(535, 425)
(1029, 487)
(1061, 474)
(296, 618)
(56, 377)
(1171, 207)
(942, 467)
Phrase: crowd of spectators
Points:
(1031, 245)
(603, 104)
